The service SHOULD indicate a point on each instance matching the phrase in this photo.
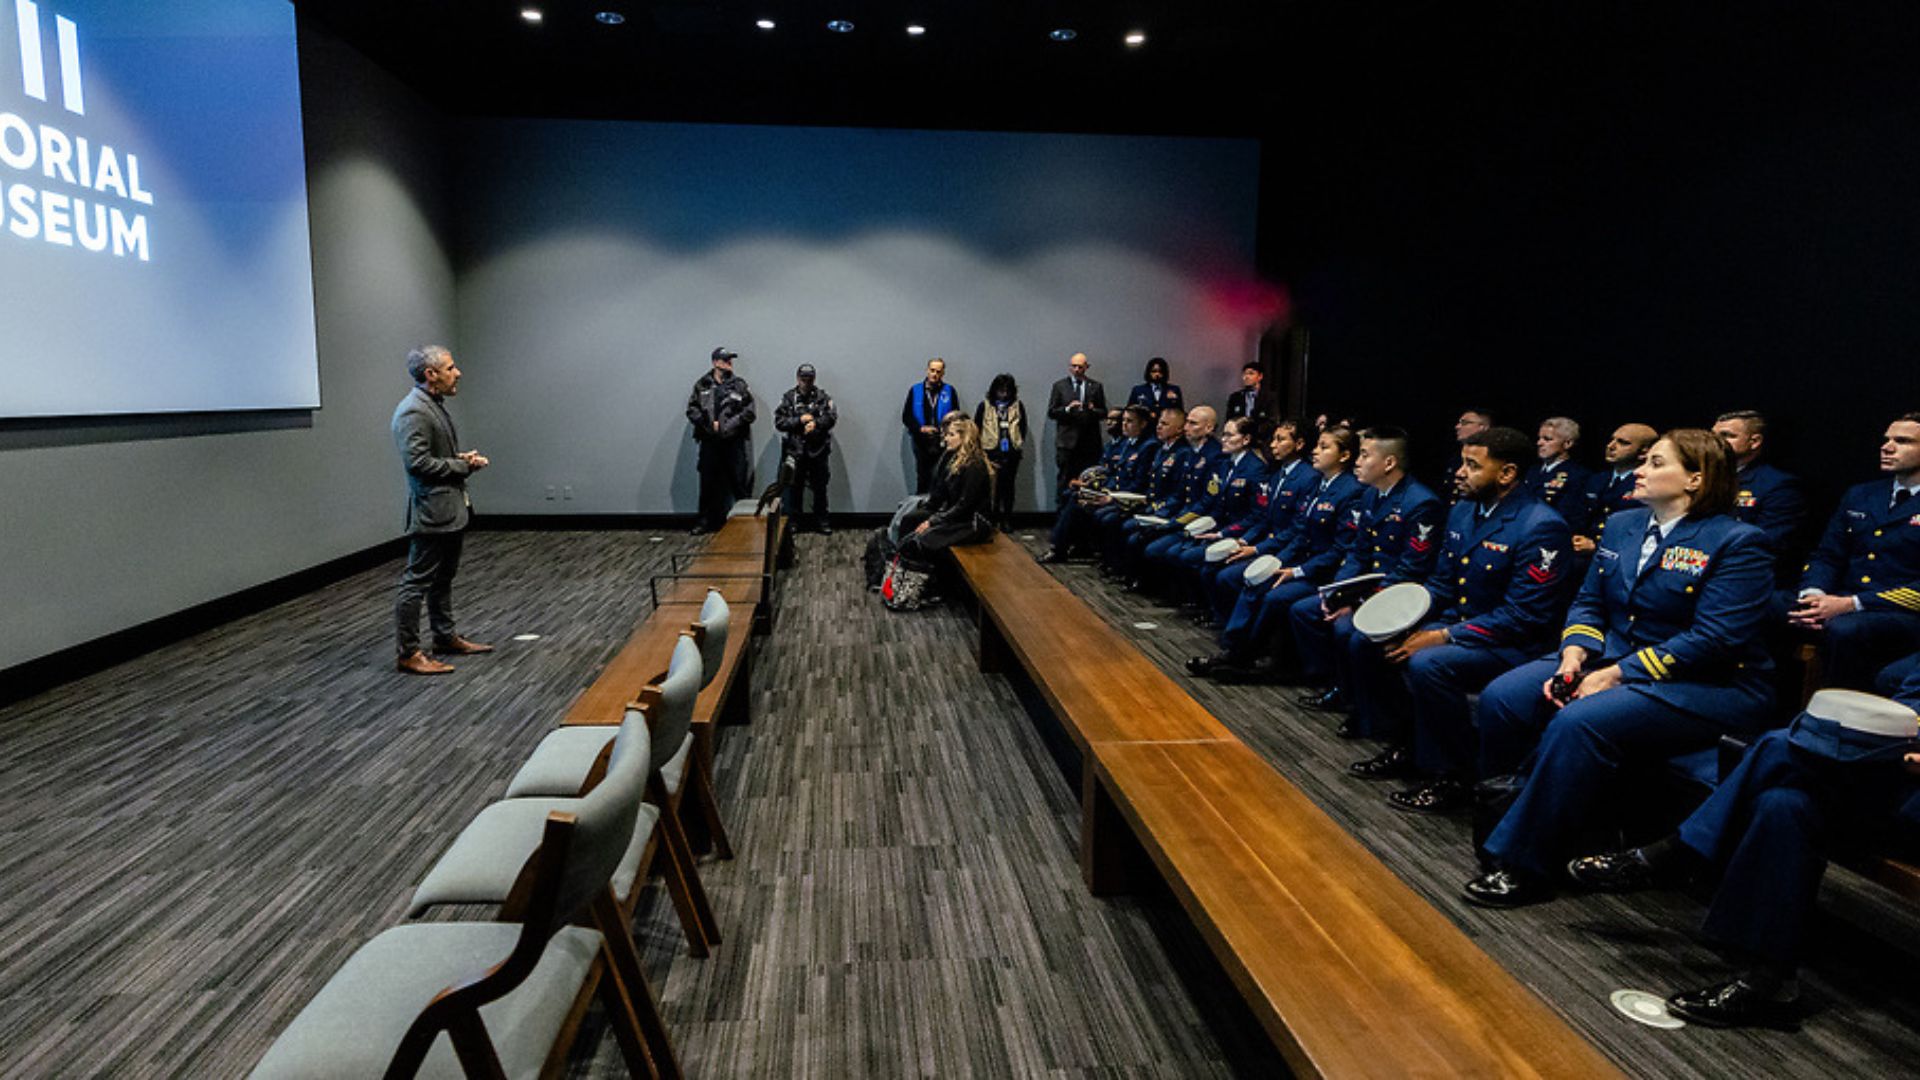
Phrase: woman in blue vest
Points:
(1661, 655)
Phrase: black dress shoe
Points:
(1393, 763)
(1323, 701)
(1506, 889)
(1735, 1004)
(1614, 872)
(1439, 797)
(1205, 665)
(824, 529)
(1350, 729)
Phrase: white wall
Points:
(601, 262)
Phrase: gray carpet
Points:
(193, 841)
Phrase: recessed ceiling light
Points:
(610, 18)
(1064, 34)
(1136, 38)
(916, 29)
(765, 24)
(532, 15)
(840, 26)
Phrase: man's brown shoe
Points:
(460, 646)
(419, 663)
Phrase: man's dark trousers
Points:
(1071, 463)
(432, 560)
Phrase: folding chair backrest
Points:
(606, 817)
(716, 617)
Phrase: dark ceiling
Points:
(1207, 66)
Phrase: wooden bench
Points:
(1347, 968)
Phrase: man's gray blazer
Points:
(436, 480)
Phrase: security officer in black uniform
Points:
(805, 420)
(720, 411)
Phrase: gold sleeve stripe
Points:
(1653, 665)
(1581, 628)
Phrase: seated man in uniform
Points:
(1400, 520)
(1188, 499)
(1160, 475)
(1765, 497)
(1230, 501)
(1769, 829)
(1124, 460)
(1559, 481)
(1611, 488)
(1860, 594)
(1498, 589)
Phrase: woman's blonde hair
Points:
(969, 450)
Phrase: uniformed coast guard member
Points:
(1559, 481)
(1322, 535)
(1861, 589)
(1470, 422)
(1231, 491)
(1769, 829)
(1125, 461)
(1289, 481)
(1498, 588)
(1158, 391)
(1400, 524)
(1611, 488)
(1162, 478)
(1763, 496)
(1662, 654)
(1193, 466)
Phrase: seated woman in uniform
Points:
(957, 504)
(1661, 655)
(1323, 533)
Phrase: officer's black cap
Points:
(724, 353)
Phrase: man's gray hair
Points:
(420, 360)
(1565, 427)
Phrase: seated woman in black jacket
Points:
(962, 489)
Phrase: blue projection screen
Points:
(154, 248)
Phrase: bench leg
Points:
(1111, 859)
(737, 707)
(993, 645)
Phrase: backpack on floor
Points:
(905, 587)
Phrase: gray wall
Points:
(109, 525)
(601, 262)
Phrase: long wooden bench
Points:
(1348, 969)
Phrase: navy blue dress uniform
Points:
(1771, 500)
(1682, 615)
(1323, 534)
(1232, 493)
(1607, 493)
(1870, 551)
(1159, 479)
(1563, 486)
(1400, 534)
(1124, 461)
(1773, 823)
(1156, 396)
(1498, 589)
(1194, 468)
(1276, 511)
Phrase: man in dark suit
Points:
(1078, 404)
(437, 510)
(1252, 400)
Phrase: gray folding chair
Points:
(500, 999)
